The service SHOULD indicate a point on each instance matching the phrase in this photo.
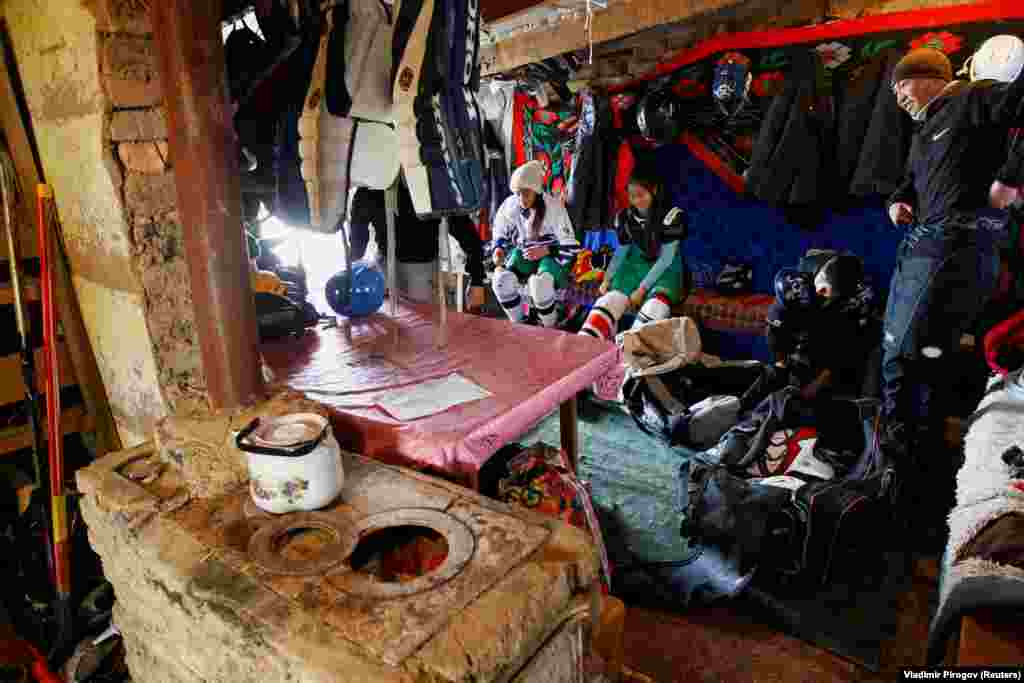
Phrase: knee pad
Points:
(653, 309)
(542, 290)
(505, 285)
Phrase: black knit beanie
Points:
(924, 62)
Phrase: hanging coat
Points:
(590, 182)
(791, 163)
(873, 133)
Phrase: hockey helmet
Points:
(999, 58)
(731, 81)
(657, 116)
(794, 288)
(356, 292)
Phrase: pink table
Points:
(529, 370)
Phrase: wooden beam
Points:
(202, 143)
(20, 149)
(29, 290)
(493, 10)
(72, 421)
(17, 129)
(619, 20)
(12, 384)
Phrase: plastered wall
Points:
(88, 68)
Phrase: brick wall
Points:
(137, 134)
(92, 86)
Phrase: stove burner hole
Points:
(397, 554)
(304, 543)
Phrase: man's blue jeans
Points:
(945, 275)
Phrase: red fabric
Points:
(529, 372)
(519, 104)
(936, 17)
(747, 313)
(731, 178)
(660, 296)
(483, 228)
(1009, 333)
(623, 169)
(781, 451)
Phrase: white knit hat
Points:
(529, 176)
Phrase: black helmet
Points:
(794, 289)
(657, 116)
(843, 272)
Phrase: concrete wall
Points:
(89, 72)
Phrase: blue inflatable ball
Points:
(357, 293)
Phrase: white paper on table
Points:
(430, 397)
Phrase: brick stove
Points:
(209, 589)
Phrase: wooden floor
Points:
(717, 644)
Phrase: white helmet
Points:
(1000, 58)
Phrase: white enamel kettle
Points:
(294, 462)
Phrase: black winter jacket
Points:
(872, 134)
(594, 176)
(961, 147)
(791, 163)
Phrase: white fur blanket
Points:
(986, 490)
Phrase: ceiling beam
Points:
(619, 20)
(493, 10)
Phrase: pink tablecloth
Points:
(529, 370)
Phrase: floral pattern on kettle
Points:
(291, 490)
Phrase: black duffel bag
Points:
(794, 532)
(661, 405)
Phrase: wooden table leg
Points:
(460, 292)
(570, 431)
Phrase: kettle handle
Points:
(305, 449)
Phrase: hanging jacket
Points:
(246, 57)
(291, 204)
(590, 181)
(496, 188)
(960, 148)
(872, 132)
(359, 56)
(791, 162)
(511, 228)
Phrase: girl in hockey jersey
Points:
(534, 243)
(647, 272)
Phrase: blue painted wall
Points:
(724, 226)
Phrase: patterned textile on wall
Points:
(845, 49)
(547, 134)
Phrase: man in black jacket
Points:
(947, 264)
